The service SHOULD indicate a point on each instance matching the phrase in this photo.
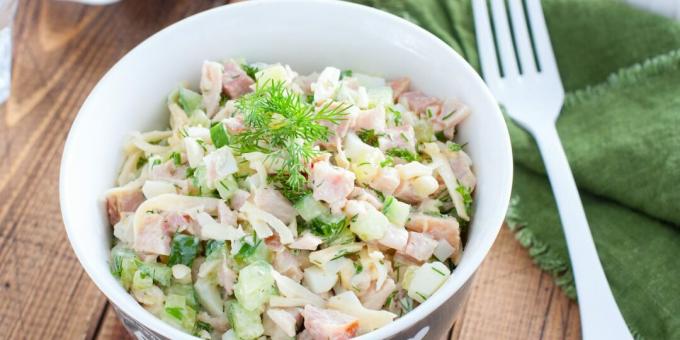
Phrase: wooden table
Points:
(61, 51)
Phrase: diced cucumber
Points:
(309, 208)
(129, 266)
(219, 135)
(118, 253)
(177, 312)
(247, 324)
(379, 96)
(254, 286)
(141, 281)
(227, 187)
(369, 225)
(186, 290)
(423, 131)
(396, 211)
(160, 273)
(188, 100)
(427, 279)
(199, 118)
(209, 296)
(273, 73)
(365, 159)
(406, 275)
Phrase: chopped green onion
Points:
(219, 135)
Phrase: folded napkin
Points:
(620, 126)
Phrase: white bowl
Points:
(308, 35)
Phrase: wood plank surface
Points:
(61, 50)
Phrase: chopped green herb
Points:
(389, 200)
(141, 161)
(387, 162)
(176, 158)
(403, 154)
(448, 115)
(440, 136)
(403, 137)
(340, 254)
(203, 326)
(456, 147)
(223, 99)
(358, 268)
(183, 249)
(369, 136)
(293, 194)
(346, 74)
(201, 143)
(396, 115)
(191, 172)
(421, 295)
(251, 71)
(389, 300)
(467, 197)
(248, 253)
(219, 135)
(156, 161)
(332, 230)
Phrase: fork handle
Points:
(600, 316)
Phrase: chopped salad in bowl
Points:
(319, 206)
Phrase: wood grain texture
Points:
(512, 298)
(61, 50)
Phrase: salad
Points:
(280, 205)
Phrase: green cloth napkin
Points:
(620, 126)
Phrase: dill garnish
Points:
(284, 126)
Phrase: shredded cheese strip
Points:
(292, 289)
(254, 214)
(444, 170)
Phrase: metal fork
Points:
(528, 84)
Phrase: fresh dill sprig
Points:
(281, 124)
(278, 181)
